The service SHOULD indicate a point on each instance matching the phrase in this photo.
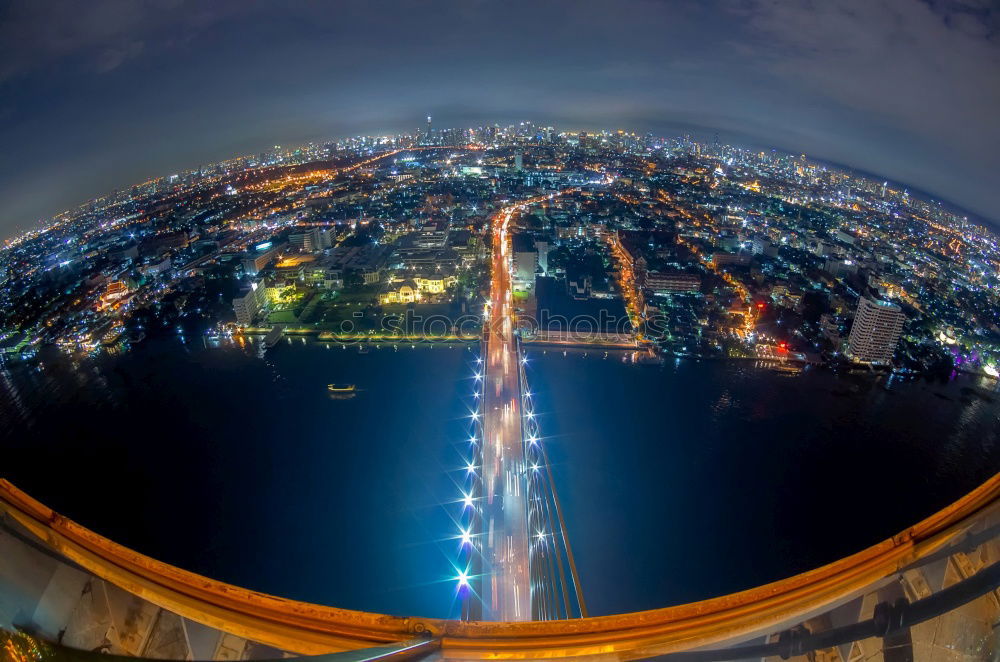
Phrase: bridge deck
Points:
(505, 586)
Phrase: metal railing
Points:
(928, 593)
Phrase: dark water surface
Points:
(246, 470)
(679, 481)
(693, 479)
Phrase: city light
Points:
(704, 252)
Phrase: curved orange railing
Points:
(309, 629)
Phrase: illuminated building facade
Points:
(877, 325)
(249, 306)
(406, 291)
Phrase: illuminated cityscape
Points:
(697, 359)
(715, 251)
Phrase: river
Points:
(680, 480)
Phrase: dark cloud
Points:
(100, 33)
(102, 94)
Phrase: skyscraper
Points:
(877, 325)
(428, 136)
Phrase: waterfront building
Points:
(877, 325)
(249, 306)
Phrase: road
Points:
(506, 586)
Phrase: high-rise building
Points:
(525, 261)
(877, 325)
(307, 242)
(326, 238)
(428, 136)
(249, 305)
(542, 247)
(518, 161)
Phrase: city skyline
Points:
(904, 90)
(707, 141)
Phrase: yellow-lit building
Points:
(412, 290)
(406, 291)
(434, 284)
(115, 290)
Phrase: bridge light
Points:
(470, 467)
(533, 439)
(466, 537)
(478, 376)
(534, 467)
(467, 500)
(463, 579)
(531, 415)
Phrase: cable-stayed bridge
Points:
(519, 563)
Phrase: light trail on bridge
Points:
(503, 530)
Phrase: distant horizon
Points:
(971, 215)
(92, 97)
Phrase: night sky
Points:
(107, 93)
